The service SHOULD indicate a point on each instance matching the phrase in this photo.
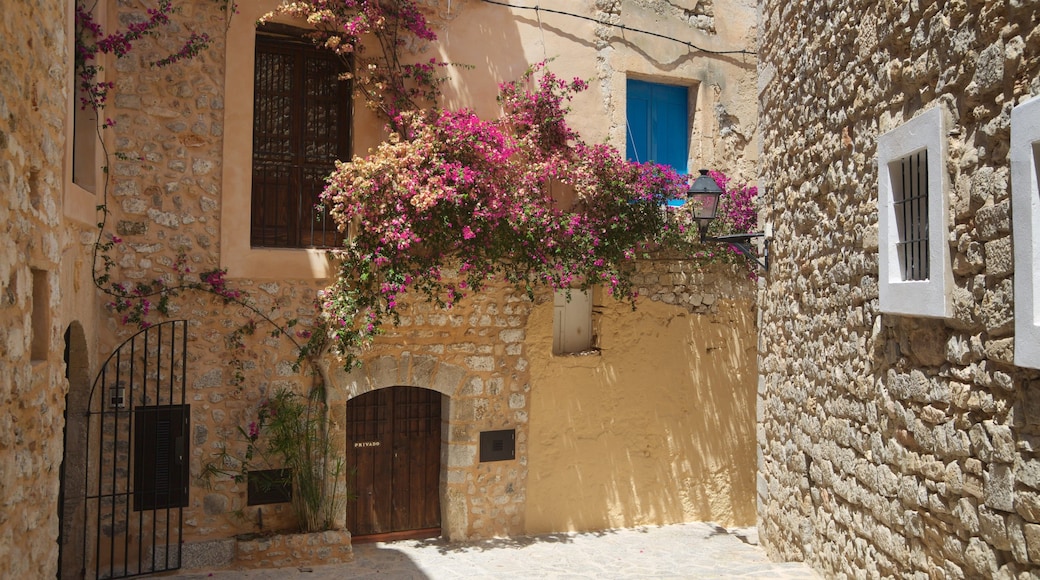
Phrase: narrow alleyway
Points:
(697, 550)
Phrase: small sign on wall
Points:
(267, 486)
(498, 445)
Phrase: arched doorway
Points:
(393, 449)
(72, 476)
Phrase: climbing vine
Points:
(388, 84)
(136, 301)
(295, 430)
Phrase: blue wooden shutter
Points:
(658, 122)
(638, 115)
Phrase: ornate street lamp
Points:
(705, 194)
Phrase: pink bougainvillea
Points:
(453, 201)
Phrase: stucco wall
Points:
(658, 425)
(893, 446)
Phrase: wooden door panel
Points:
(393, 442)
(371, 510)
(432, 500)
(368, 440)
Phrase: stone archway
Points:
(72, 490)
(458, 444)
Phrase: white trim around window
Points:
(1025, 210)
(915, 270)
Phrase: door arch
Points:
(393, 445)
(72, 475)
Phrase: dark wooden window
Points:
(301, 126)
(910, 198)
(160, 457)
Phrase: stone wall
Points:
(474, 354)
(293, 550)
(33, 64)
(892, 446)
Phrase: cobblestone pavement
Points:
(698, 550)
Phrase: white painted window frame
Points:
(931, 298)
(1025, 210)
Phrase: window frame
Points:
(288, 43)
(930, 297)
(236, 255)
(1025, 210)
(80, 203)
(572, 322)
(634, 85)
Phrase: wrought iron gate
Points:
(137, 456)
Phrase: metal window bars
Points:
(910, 201)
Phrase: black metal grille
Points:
(301, 126)
(498, 445)
(910, 200)
(137, 449)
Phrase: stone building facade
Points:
(45, 284)
(898, 437)
(654, 426)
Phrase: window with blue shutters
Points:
(658, 124)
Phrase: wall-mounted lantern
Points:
(705, 194)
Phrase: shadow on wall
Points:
(484, 39)
(658, 429)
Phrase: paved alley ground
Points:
(698, 550)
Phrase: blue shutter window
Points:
(658, 124)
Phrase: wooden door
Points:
(394, 445)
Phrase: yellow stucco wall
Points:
(657, 428)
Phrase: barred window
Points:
(915, 273)
(301, 125)
(910, 199)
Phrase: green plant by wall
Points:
(290, 432)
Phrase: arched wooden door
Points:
(394, 448)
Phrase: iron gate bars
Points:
(137, 455)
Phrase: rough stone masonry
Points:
(893, 446)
